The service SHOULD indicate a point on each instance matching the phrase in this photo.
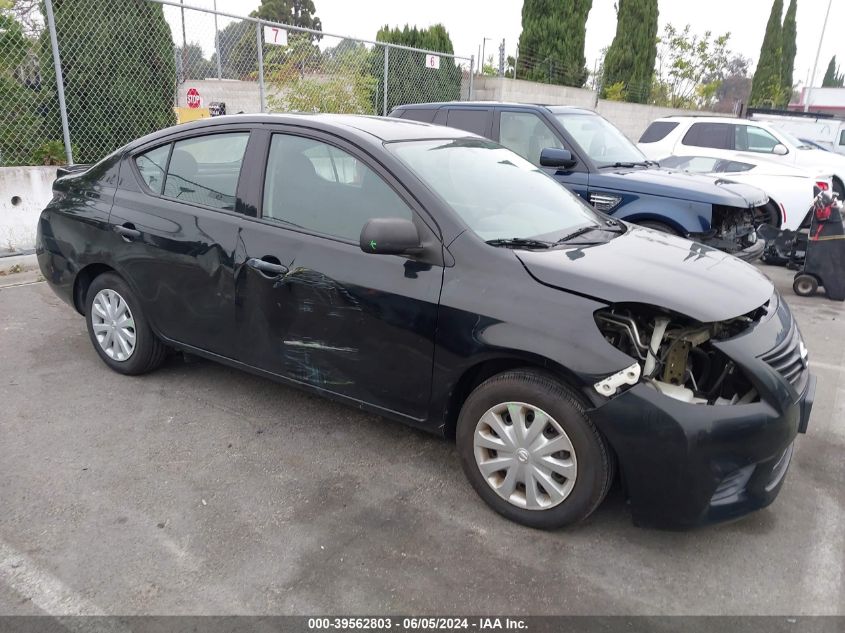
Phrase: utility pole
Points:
(483, 47)
(502, 58)
(816, 63)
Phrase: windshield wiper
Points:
(646, 163)
(612, 227)
(519, 242)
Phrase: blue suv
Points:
(596, 161)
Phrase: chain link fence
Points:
(130, 67)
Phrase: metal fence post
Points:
(386, 64)
(217, 44)
(471, 72)
(60, 86)
(260, 44)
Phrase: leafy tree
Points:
(20, 121)
(734, 86)
(238, 57)
(832, 77)
(408, 79)
(195, 66)
(788, 49)
(114, 93)
(551, 45)
(689, 67)
(292, 12)
(767, 85)
(631, 56)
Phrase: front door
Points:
(310, 305)
(527, 134)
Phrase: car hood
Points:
(645, 266)
(679, 184)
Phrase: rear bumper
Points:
(686, 465)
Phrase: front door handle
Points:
(128, 232)
(267, 268)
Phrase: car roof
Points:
(701, 118)
(487, 104)
(361, 126)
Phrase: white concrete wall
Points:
(631, 118)
(24, 192)
(239, 96)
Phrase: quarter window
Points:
(526, 134)
(320, 188)
(152, 165)
(205, 170)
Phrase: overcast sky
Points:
(469, 21)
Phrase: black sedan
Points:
(435, 277)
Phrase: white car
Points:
(825, 131)
(741, 140)
(791, 191)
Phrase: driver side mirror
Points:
(780, 149)
(390, 236)
(556, 157)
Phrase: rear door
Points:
(310, 304)
(174, 232)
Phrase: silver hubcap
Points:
(525, 456)
(113, 324)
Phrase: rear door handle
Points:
(128, 232)
(267, 268)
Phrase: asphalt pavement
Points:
(199, 489)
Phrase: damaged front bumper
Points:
(685, 463)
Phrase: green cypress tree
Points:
(630, 58)
(766, 86)
(788, 52)
(832, 78)
(551, 45)
(116, 88)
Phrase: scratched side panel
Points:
(354, 324)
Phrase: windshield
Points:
(497, 193)
(796, 142)
(602, 142)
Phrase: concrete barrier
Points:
(24, 192)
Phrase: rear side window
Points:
(205, 170)
(475, 121)
(152, 165)
(714, 135)
(419, 114)
(657, 131)
(318, 187)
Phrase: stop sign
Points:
(193, 98)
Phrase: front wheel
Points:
(654, 225)
(530, 451)
(119, 329)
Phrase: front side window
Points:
(600, 140)
(496, 192)
(205, 170)
(152, 165)
(842, 138)
(318, 187)
(526, 134)
(754, 139)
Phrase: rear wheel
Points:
(658, 226)
(805, 285)
(530, 451)
(119, 329)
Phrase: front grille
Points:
(786, 357)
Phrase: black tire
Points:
(658, 226)
(149, 352)
(805, 285)
(595, 465)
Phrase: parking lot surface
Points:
(202, 489)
